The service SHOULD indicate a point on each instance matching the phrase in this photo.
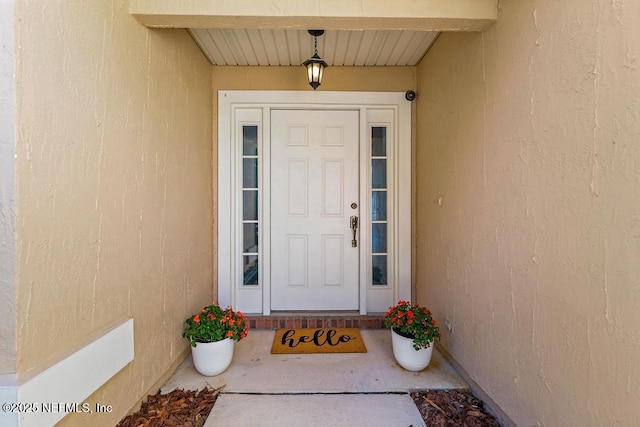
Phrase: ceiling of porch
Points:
(272, 47)
(357, 33)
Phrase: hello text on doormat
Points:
(318, 340)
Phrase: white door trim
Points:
(238, 108)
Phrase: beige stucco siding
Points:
(114, 187)
(528, 208)
(7, 192)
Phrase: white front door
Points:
(314, 193)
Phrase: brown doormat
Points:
(318, 340)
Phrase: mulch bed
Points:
(184, 408)
(445, 408)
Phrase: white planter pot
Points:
(407, 356)
(212, 358)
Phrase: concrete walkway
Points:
(344, 389)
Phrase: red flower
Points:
(413, 320)
(213, 323)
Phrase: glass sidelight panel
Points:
(379, 173)
(250, 270)
(250, 173)
(379, 218)
(378, 142)
(250, 140)
(379, 238)
(250, 241)
(379, 263)
(250, 211)
(379, 205)
(250, 205)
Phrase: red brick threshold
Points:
(315, 320)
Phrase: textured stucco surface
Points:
(7, 192)
(114, 187)
(528, 201)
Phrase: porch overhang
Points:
(424, 15)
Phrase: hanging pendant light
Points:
(315, 65)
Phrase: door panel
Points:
(314, 180)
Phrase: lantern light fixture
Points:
(315, 65)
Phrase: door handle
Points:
(353, 224)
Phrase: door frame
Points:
(240, 108)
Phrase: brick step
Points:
(282, 321)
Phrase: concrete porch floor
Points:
(344, 389)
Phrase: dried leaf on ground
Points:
(452, 408)
(182, 408)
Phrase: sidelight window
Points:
(379, 218)
(250, 196)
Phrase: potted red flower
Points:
(413, 333)
(212, 333)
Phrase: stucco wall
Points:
(7, 193)
(114, 186)
(528, 137)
